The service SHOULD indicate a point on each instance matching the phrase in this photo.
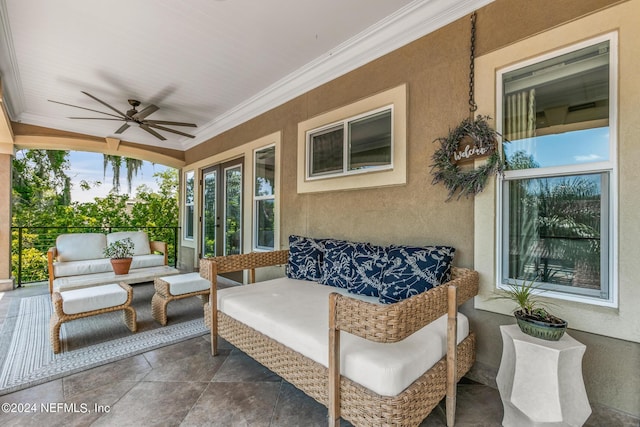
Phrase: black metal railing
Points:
(29, 246)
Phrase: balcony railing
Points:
(29, 246)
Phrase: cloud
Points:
(588, 158)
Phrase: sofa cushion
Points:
(139, 238)
(297, 316)
(143, 261)
(80, 246)
(305, 258)
(412, 270)
(355, 266)
(78, 268)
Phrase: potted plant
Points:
(532, 316)
(121, 253)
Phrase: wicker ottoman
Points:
(85, 302)
(172, 288)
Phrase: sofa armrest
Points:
(52, 254)
(211, 267)
(394, 322)
(157, 246)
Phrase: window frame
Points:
(344, 124)
(257, 199)
(609, 168)
(189, 215)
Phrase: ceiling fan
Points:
(134, 116)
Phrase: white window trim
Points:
(186, 205)
(255, 246)
(344, 123)
(397, 175)
(599, 167)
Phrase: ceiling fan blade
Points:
(122, 128)
(95, 118)
(145, 112)
(165, 122)
(169, 130)
(153, 132)
(104, 103)
(88, 109)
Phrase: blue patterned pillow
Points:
(305, 258)
(337, 266)
(355, 266)
(413, 270)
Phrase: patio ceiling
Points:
(212, 63)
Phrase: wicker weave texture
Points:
(394, 322)
(241, 262)
(59, 316)
(162, 297)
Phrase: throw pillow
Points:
(337, 266)
(305, 258)
(369, 262)
(354, 266)
(413, 270)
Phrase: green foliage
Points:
(119, 249)
(524, 295)
(40, 201)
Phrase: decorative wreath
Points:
(466, 182)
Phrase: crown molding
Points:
(408, 24)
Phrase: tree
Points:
(132, 166)
(40, 182)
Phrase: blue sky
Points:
(570, 148)
(88, 166)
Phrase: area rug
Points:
(25, 350)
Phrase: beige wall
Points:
(435, 71)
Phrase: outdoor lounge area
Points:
(373, 213)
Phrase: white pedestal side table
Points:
(540, 382)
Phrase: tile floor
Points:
(183, 385)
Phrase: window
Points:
(189, 185)
(558, 195)
(355, 145)
(264, 198)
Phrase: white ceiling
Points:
(213, 63)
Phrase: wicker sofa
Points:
(78, 260)
(349, 319)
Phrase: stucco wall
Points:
(435, 70)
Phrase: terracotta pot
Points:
(121, 265)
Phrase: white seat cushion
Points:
(77, 268)
(186, 283)
(144, 261)
(93, 298)
(296, 314)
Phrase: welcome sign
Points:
(468, 150)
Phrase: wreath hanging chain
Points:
(444, 168)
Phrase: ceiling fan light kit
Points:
(134, 116)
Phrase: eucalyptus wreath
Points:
(466, 182)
